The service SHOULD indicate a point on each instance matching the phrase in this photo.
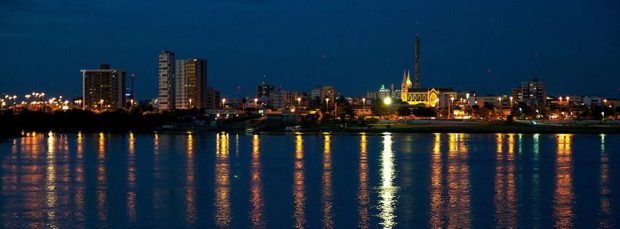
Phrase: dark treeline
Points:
(79, 120)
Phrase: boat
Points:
(292, 128)
(250, 130)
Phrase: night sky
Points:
(489, 46)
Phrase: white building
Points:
(166, 99)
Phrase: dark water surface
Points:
(313, 181)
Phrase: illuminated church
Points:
(416, 95)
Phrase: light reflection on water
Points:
(387, 190)
(56, 180)
(299, 193)
(563, 193)
(326, 197)
(256, 187)
(222, 181)
(363, 192)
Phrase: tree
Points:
(403, 111)
(424, 112)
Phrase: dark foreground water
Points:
(283, 181)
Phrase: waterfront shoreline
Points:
(425, 128)
(482, 129)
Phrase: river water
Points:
(220, 180)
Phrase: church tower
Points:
(418, 72)
(405, 85)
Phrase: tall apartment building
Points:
(191, 84)
(103, 88)
(167, 94)
(263, 90)
(532, 93)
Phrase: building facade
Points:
(167, 96)
(191, 84)
(103, 88)
(428, 97)
(324, 92)
(213, 98)
(532, 93)
(263, 90)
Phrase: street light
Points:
(450, 106)
(299, 101)
(256, 102)
(223, 102)
(190, 103)
(364, 103)
(387, 101)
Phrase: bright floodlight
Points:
(387, 100)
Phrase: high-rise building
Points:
(532, 93)
(103, 88)
(328, 92)
(264, 90)
(191, 84)
(283, 99)
(167, 95)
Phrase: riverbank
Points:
(12, 125)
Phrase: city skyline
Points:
(573, 52)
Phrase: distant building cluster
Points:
(182, 85)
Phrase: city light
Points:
(387, 100)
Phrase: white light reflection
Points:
(387, 191)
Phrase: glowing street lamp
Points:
(223, 102)
(387, 101)
(255, 102)
(364, 103)
(299, 101)
(190, 103)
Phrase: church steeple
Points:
(405, 85)
(406, 79)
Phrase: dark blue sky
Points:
(486, 46)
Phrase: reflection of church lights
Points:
(256, 189)
(326, 198)
(436, 200)
(458, 183)
(363, 194)
(563, 195)
(299, 187)
(387, 191)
